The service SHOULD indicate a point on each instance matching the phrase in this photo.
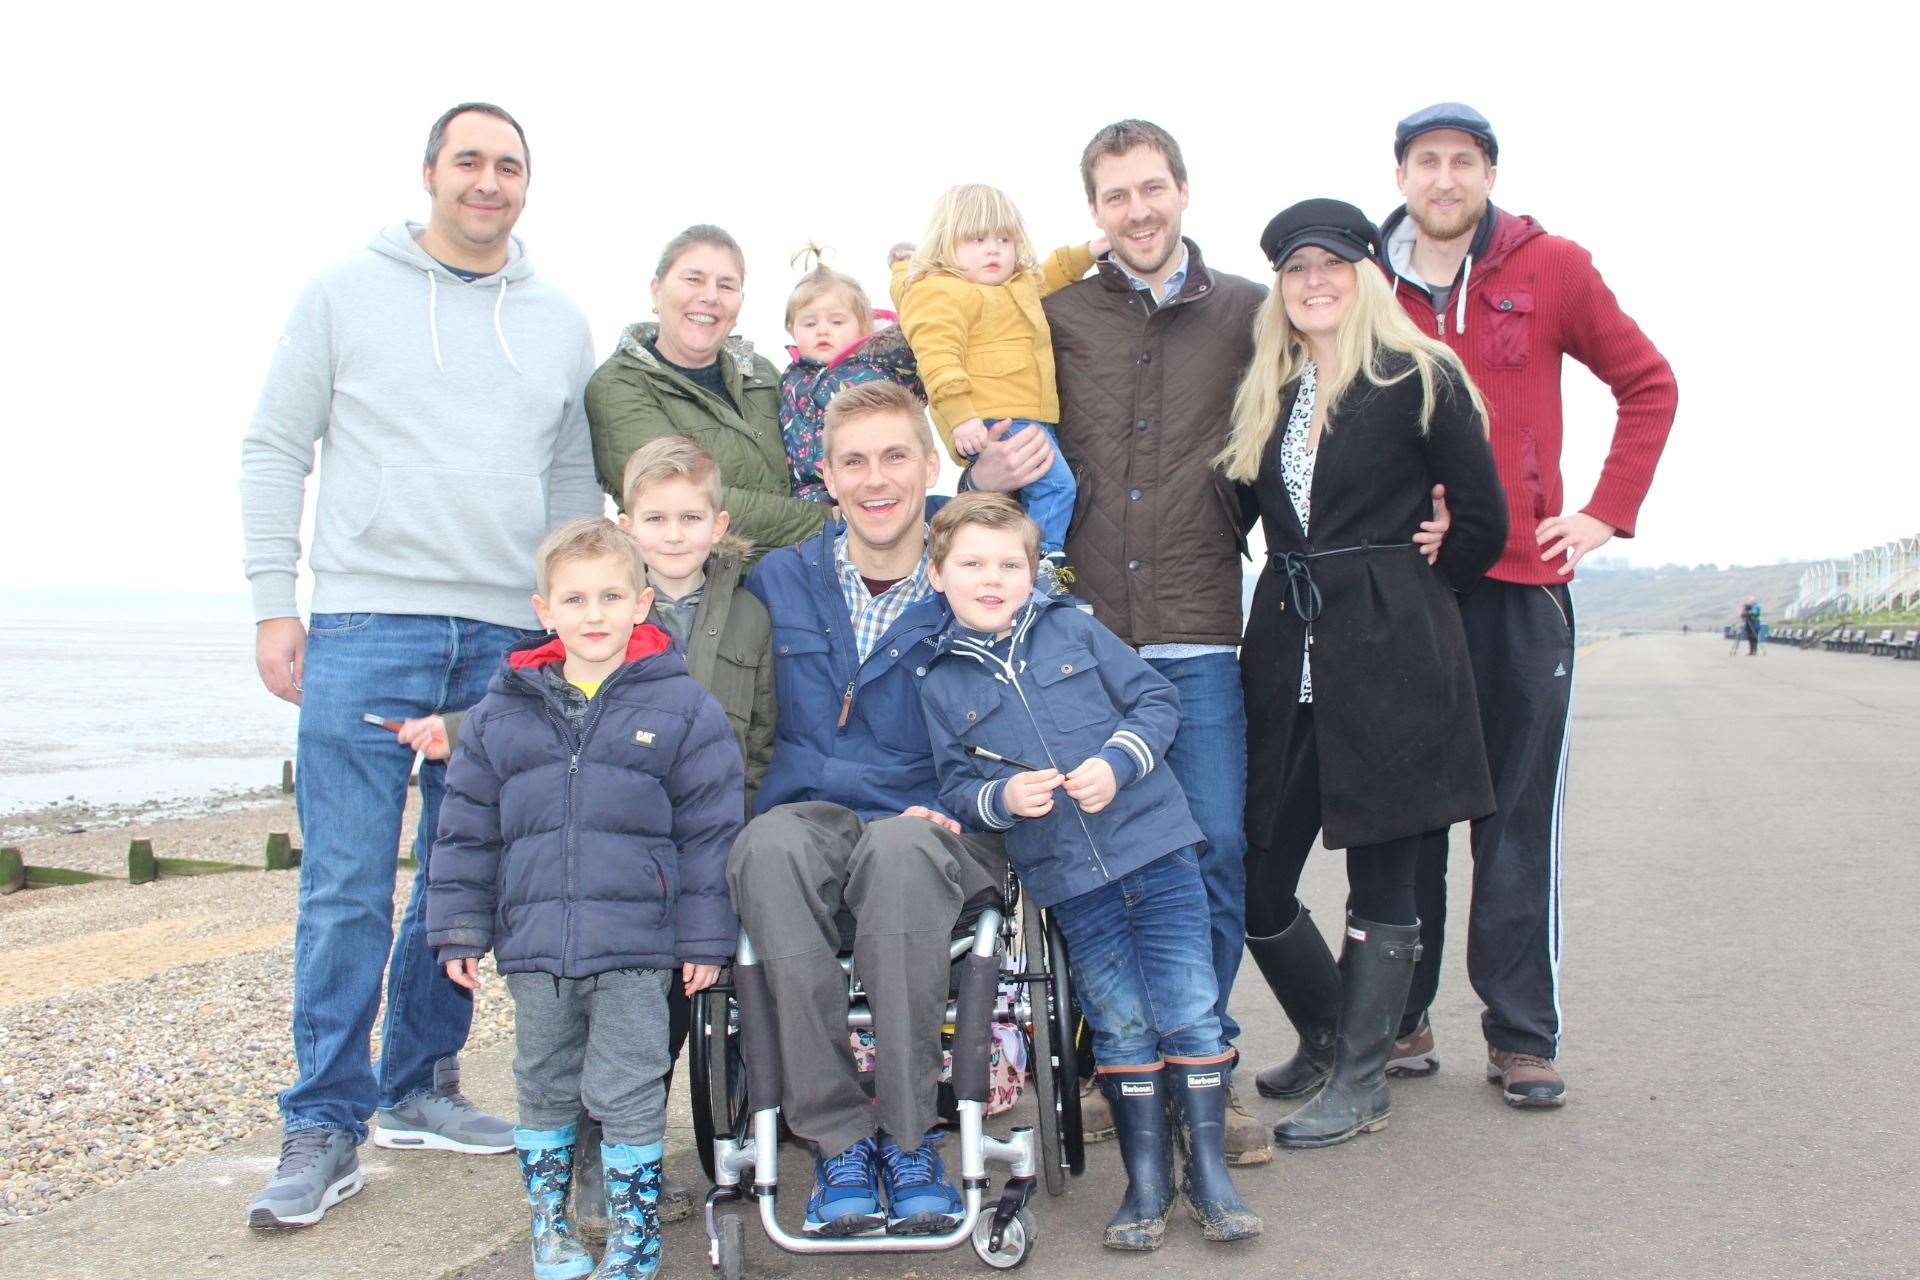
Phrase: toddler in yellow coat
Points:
(969, 303)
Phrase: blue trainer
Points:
(920, 1200)
(848, 1199)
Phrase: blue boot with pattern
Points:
(633, 1208)
(546, 1165)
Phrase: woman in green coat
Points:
(687, 374)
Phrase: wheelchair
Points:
(1010, 969)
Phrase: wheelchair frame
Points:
(735, 1140)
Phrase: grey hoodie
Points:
(455, 429)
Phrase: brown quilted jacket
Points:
(1146, 398)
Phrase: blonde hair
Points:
(969, 212)
(821, 280)
(1374, 326)
(587, 538)
(864, 400)
(988, 511)
(671, 458)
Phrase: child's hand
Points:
(1092, 785)
(698, 977)
(899, 253)
(465, 973)
(1099, 246)
(1030, 795)
(970, 437)
(427, 735)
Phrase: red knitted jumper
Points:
(1530, 299)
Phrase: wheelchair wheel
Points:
(1066, 1022)
(1056, 1074)
(717, 1085)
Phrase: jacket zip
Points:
(1014, 680)
(570, 844)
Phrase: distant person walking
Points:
(1512, 301)
(447, 382)
(1750, 625)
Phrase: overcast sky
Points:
(176, 179)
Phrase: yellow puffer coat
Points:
(984, 351)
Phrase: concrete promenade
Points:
(1739, 988)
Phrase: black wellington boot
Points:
(1301, 972)
(589, 1184)
(1377, 970)
(1199, 1095)
(1140, 1121)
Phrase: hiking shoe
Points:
(1248, 1141)
(318, 1169)
(920, 1200)
(847, 1200)
(1413, 1055)
(1525, 1079)
(442, 1120)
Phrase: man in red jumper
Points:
(1511, 300)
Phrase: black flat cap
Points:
(1333, 225)
(1445, 115)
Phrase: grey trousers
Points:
(794, 869)
(598, 1044)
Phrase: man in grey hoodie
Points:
(447, 384)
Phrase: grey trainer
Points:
(443, 1120)
(318, 1169)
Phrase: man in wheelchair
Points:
(849, 825)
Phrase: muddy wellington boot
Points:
(1199, 1097)
(546, 1166)
(633, 1198)
(1303, 977)
(1377, 971)
(1145, 1130)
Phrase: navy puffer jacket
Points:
(609, 853)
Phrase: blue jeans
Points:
(1209, 758)
(1049, 500)
(1141, 965)
(350, 783)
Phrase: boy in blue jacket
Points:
(1025, 698)
(584, 836)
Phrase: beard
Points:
(1123, 250)
(1451, 227)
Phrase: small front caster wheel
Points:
(733, 1248)
(1016, 1242)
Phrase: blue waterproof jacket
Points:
(1058, 691)
(848, 732)
(575, 857)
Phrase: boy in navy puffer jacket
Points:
(1026, 697)
(584, 836)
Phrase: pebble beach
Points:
(143, 1024)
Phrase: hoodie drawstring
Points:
(1460, 301)
(433, 319)
(500, 333)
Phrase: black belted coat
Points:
(1395, 719)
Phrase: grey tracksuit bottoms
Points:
(596, 1044)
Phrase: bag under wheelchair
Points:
(1009, 970)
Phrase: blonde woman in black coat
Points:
(1361, 721)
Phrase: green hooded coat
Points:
(635, 397)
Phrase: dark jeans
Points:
(1521, 639)
(350, 784)
(1209, 759)
(1142, 965)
